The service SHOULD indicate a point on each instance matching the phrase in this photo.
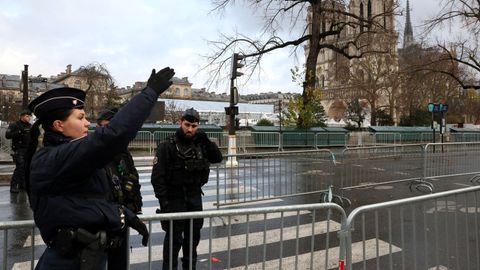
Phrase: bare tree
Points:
(426, 73)
(375, 77)
(100, 88)
(173, 112)
(463, 18)
(328, 25)
(356, 112)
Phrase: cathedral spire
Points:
(408, 32)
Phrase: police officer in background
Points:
(69, 188)
(125, 185)
(181, 167)
(19, 133)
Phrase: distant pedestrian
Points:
(181, 167)
(69, 190)
(19, 133)
(125, 186)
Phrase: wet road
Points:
(15, 207)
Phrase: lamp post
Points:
(280, 139)
(441, 108)
(232, 110)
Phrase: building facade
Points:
(342, 79)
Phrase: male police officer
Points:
(19, 133)
(125, 185)
(181, 167)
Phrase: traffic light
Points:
(237, 123)
(236, 64)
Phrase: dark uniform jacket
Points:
(19, 133)
(69, 185)
(179, 170)
(124, 181)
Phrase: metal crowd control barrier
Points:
(266, 140)
(281, 237)
(371, 166)
(7, 226)
(428, 137)
(298, 139)
(274, 175)
(385, 138)
(5, 144)
(435, 231)
(326, 139)
(460, 160)
(143, 141)
(464, 137)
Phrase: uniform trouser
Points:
(18, 177)
(51, 260)
(117, 257)
(180, 236)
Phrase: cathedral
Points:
(369, 79)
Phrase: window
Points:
(177, 91)
(77, 84)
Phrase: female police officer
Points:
(69, 187)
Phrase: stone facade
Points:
(334, 71)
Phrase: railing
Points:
(460, 160)
(371, 166)
(274, 175)
(464, 137)
(254, 246)
(436, 231)
(148, 141)
(5, 144)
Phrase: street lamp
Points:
(441, 108)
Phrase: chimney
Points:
(69, 69)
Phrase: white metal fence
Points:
(435, 231)
(5, 144)
(273, 175)
(281, 237)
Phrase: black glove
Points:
(132, 221)
(160, 81)
(201, 137)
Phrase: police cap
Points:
(106, 114)
(58, 98)
(25, 112)
(191, 115)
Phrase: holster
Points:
(94, 248)
(90, 247)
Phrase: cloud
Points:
(131, 37)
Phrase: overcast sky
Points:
(131, 37)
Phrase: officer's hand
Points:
(201, 137)
(160, 81)
(132, 221)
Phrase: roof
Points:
(218, 106)
(399, 129)
(294, 129)
(465, 130)
(9, 81)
